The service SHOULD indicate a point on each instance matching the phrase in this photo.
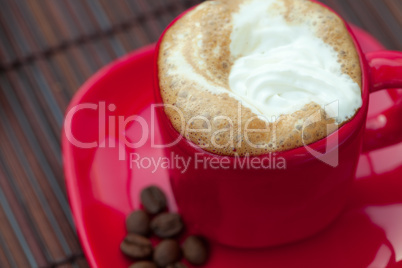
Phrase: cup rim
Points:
(338, 137)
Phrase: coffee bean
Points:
(167, 225)
(136, 246)
(143, 264)
(153, 200)
(195, 250)
(177, 265)
(167, 252)
(138, 222)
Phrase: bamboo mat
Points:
(48, 48)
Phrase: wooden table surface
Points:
(48, 48)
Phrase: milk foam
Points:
(282, 67)
(267, 65)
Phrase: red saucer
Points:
(104, 189)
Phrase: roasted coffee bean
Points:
(143, 264)
(153, 200)
(138, 222)
(195, 250)
(136, 246)
(167, 225)
(177, 265)
(167, 252)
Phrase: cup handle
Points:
(385, 129)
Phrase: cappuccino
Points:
(249, 77)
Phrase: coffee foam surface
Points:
(271, 65)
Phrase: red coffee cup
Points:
(257, 207)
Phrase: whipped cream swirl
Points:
(280, 66)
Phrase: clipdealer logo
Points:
(109, 124)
